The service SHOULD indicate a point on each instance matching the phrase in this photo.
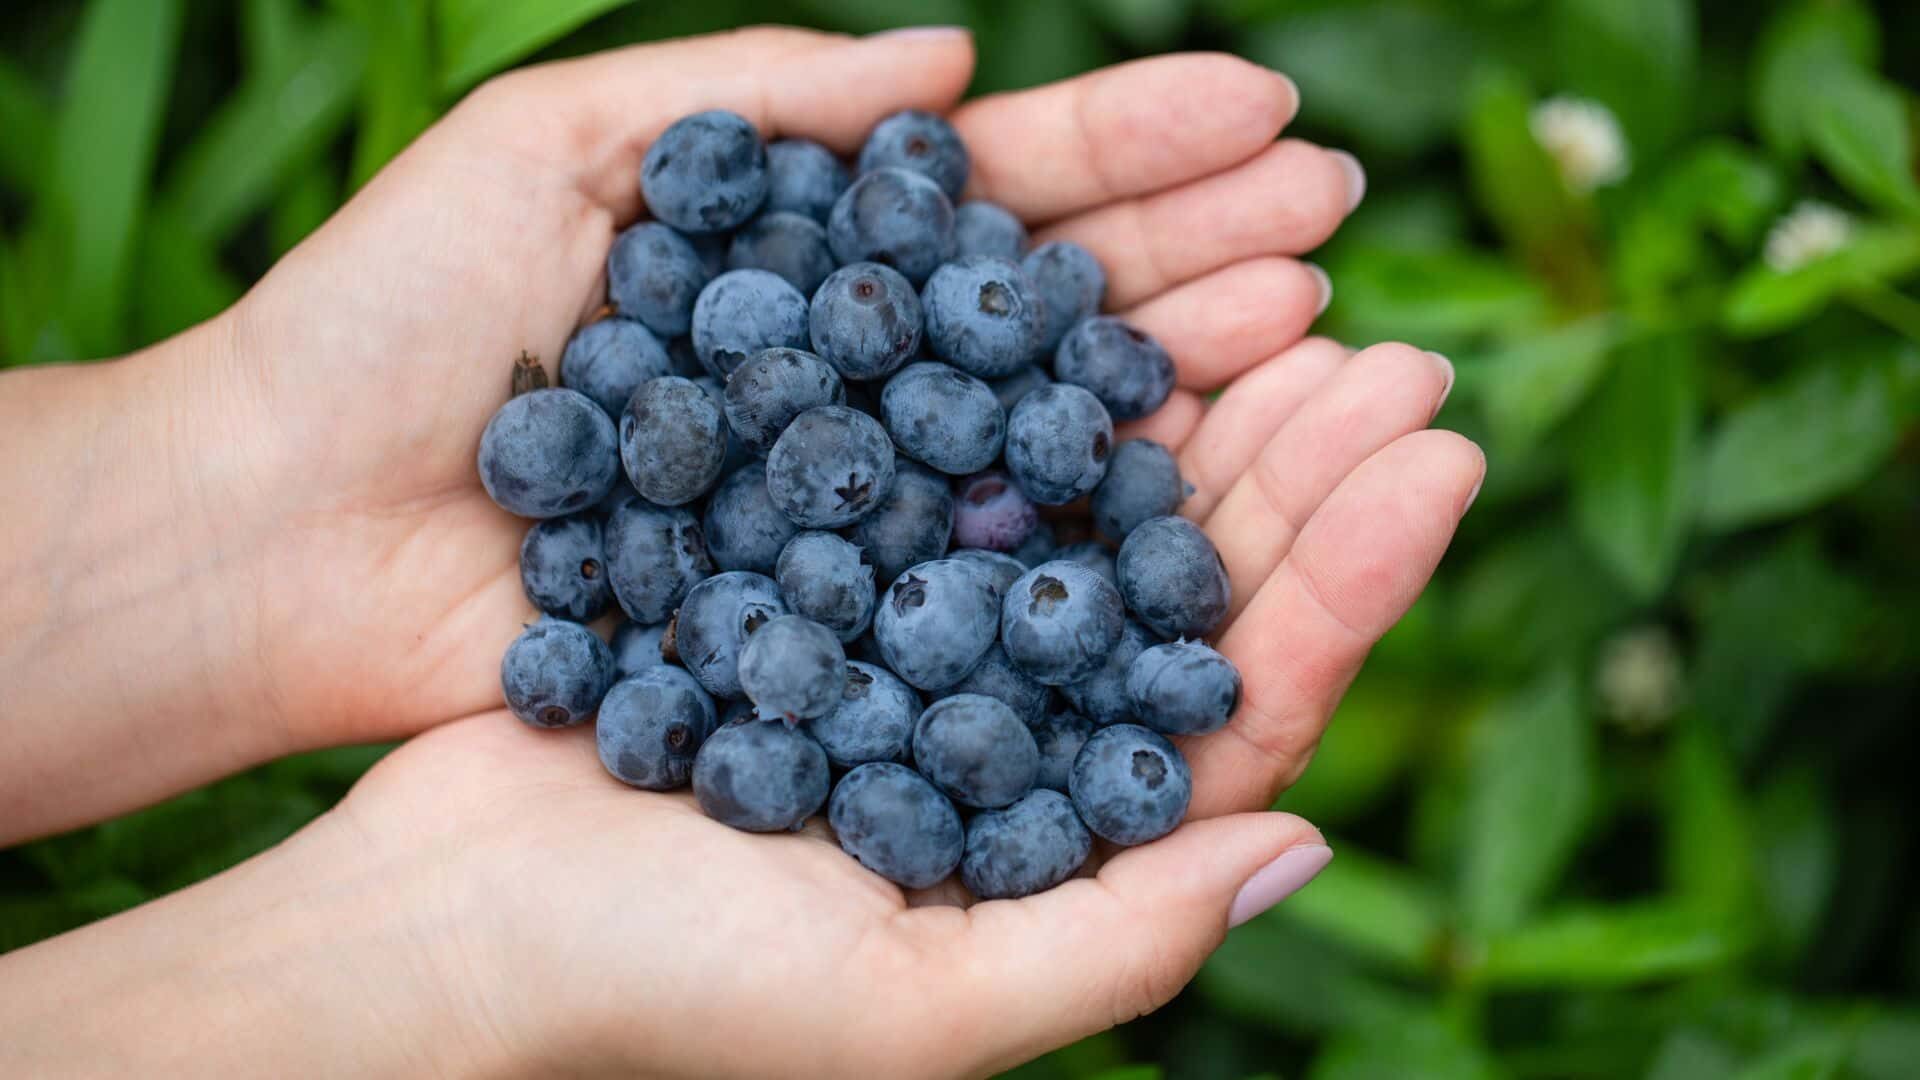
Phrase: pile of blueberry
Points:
(843, 455)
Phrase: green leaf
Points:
(1884, 1047)
(1519, 187)
(1280, 975)
(1531, 384)
(1799, 855)
(480, 37)
(1146, 24)
(397, 96)
(1373, 736)
(1633, 463)
(273, 31)
(1817, 434)
(103, 151)
(1536, 595)
(181, 279)
(1030, 44)
(1424, 1046)
(25, 150)
(1663, 256)
(1709, 856)
(1132, 1072)
(1764, 300)
(1530, 793)
(870, 16)
(302, 207)
(1688, 1054)
(1375, 908)
(1619, 945)
(1804, 47)
(1862, 132)
(1819, 1056)
(1634, 56)
(1428, 295)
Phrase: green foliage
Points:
(1557, 855)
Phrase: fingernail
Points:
(1294, 89)
(1356, 177)
(1278, 880)
(901, 33)
(1446, 372)
(1475, 493)
(1326, 285)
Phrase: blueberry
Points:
(712, 248)
(650, 727)
(764, 394)
(1001, 569)
(982, 315)
(1029, 847)
(943, 417)
(636, 647)
(742, 312)
(803, 177)
(555, 673)
(681, 359)
(760, 777)
(936, 621)
(912, 524)
(992, 512)
(1058, 441)
(1102, 696)
(1059, 622)
(1130, 784)
(975, 750)
(865, 320)
(897, 824)
(714, 622)
(673, 441)
(1038, 547)
(1126, 369)
(894, 217)
(745, 530)
(793, 246)
(1183, 688)
(996, 677)
(922, 142)
(706, 173)
(739, 712)
(1059, 735)
(825, 578)
(548, 452)
(653, 275)
(830, 467)
(1143, 481)
(1173, 579)
(738, 453)
(609, 359)
(1093, 555)
(874, 720)
(1011, 389)
(655, 554)
(793, 668)
(563, 567)
(985, 228)
(1071, 284)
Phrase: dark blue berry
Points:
(1172, 578)
(982, 315)
(791, 245)
(865, 320)
(760, 777)
(681, 359)
(992, 512)
(1058, 441)
(804, 177)
(997, 677)
(793, 669)
(985, 228)
(1001, 569)
(830, 467)
(1130, 784)
(1059, 622)
(655, 554)
(943, 417)
(936, 621)
(555, 673)
(609, 359)
(745, 530)
(1011, 389)
(1071, 284)
(673, 441)
(911, 524)
(654, 275)
(738, 453)
(549, 452)
(706, 173)
(897, 824)
(563, 567)
(636, 647)
(715, 621)
(650, 727)
(1126, 369)
(874, 720)
(1102, 696)
(825, 578)
(1038, 546)
(922, 142)
(1093, 555)
(894, 217)
(1183, 688)
(768, 391)
(975, 750)
(1143, 481)
(1059, 735)
(1029, 847)
(742, 312)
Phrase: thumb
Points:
(1041, 972)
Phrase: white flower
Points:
(1639, 679)
(1811, 230)
(1584, 140)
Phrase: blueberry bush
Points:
(1628, 793)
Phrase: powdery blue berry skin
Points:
(1130, 784)
(996, 677)
(990, 511)
(742, 312)
(897, 824)
(681, 359)
(1001, 569)
(654, 274)
(1172, 578)
(1029, 847)
(563, 567)
(1038, 547)
(1072, 284)
(715, 621)
(793, 669)
(1126, 369)
(760, 777)
(1058, 441)
(793, 246)
(1183, 688)
(920, 141)
(555, 673)
(936, 621)
(874, 720)
(987, 228)
(975, 750)
(982, 315)
(1010, 390)
(1102, 696)
(1093, 555)
(673, 441)
(1059, 735)
(865, 320)
(895, 217)
(1059, 621)
(706, 173)
(1143, 481)
(655, 555)
(912, 524)
(745, 530)
(636, 647)
(766, 392)
(830, 467)
(824, 578)
(804, 177)
(548, 452)
(650, 727)
(608, 360)
(738, 453)
(943, 417)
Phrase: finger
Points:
(1247, 414)
(1171, 424)
(1030, 975)
(1121, 131)
(1381, 394)
(1219, 325)
(1284, 201)
(1356, 568)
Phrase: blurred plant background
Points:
(1629, 793)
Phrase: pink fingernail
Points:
(900, 33)
(1356, 177)
(1278, 880)
(1326, 286)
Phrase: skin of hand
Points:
(513, 904)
